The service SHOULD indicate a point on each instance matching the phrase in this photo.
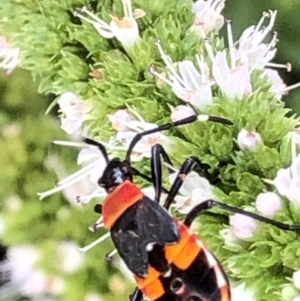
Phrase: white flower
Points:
(296, 279)
(93, 170)
(278, 86)
(268, 203)
(181, 112)
(126, 30)
(287, 180)
(195, 190)
(208, 15)
(234, 83)
(22, 260)
(297, 298)
(241, 292)
(251, 48)
(119, 120)
(188, 83)
(35, 284)
(69, 259)
(248, 139)
(9, 57)
(242, 226)
(74, 111)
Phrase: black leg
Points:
(137, 295)
(171, 125)
(157, 151)
(145, 177)
(186, 167)
(197, 210)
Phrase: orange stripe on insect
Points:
(151, 286)
(118, 201)
(186, 250)
(154, 290)
(188, 253)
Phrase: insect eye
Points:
(176, 284)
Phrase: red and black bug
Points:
(169, 261)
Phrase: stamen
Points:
(208, 47)
(230, 44)
(93, 244)
(289, 88)
(83, 200)
(79, 173)
(287, 66)
(68, 143)
(260, 22)
(201, 64)
(111, 254)
(267, 29)
(153, 72)
(93, 16)
(170, 166)
(96, 227)
(136, 114)
(127, 7)
(168, 62)
(193, 79)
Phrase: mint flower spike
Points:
(125, 30)
(187, 83)
(9, 56)
(207, 13)
(287, 180)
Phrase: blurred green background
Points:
(25, 133)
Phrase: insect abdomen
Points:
(201, 274)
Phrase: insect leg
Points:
(186, 167)
(157, 151)
(171, 125)
(208, 204)
(137, 295)
(145, 177)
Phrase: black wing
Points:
(143, 223)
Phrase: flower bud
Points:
(268, 203)
(248, 139)
(242, 226)
(296, 279)
(119, 120)
(181, 112)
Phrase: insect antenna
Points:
(168, 126)
(99, 145)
